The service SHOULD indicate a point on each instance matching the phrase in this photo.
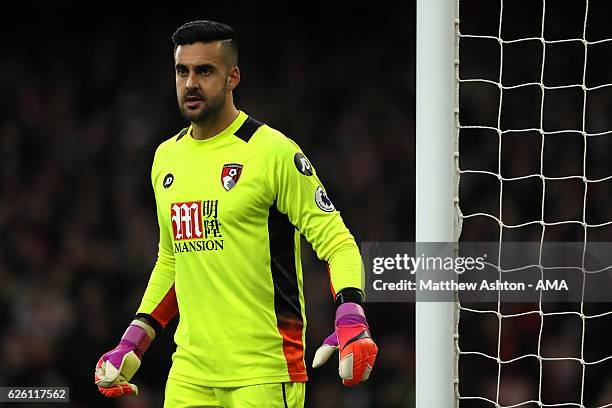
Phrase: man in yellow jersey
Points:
(233, 196)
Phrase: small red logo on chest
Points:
(230, 174)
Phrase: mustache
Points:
(194, 93)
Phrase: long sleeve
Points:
(301, 195)
(159, 300)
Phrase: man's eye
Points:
(181, 71)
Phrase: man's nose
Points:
(191, 82)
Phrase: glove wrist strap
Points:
(138, 337)
(352, 295)
(350, 311)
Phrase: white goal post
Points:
(435, 192)
(561, 109)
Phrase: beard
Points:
(210, 107)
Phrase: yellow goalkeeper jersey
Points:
(231, 209)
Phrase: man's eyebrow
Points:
(196, 67)
(200, 67)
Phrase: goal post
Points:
(435, 192)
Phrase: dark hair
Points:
(207, 31)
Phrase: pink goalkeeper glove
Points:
(352, 338)
(117, 367)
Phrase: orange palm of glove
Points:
(352, 338)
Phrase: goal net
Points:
(534, 136)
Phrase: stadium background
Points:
(86, 98)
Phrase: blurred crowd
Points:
(85, 102)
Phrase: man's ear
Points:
(233, 79)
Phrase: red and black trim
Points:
(163, 312)
(287, 306)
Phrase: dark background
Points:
(86, 99)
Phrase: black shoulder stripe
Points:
(183, 133)
(248, 129)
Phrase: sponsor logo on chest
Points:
(195, 226)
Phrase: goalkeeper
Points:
(233, 196)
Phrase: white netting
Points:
(519, 362)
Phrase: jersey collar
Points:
(228, 131)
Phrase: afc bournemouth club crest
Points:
(230, 175)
